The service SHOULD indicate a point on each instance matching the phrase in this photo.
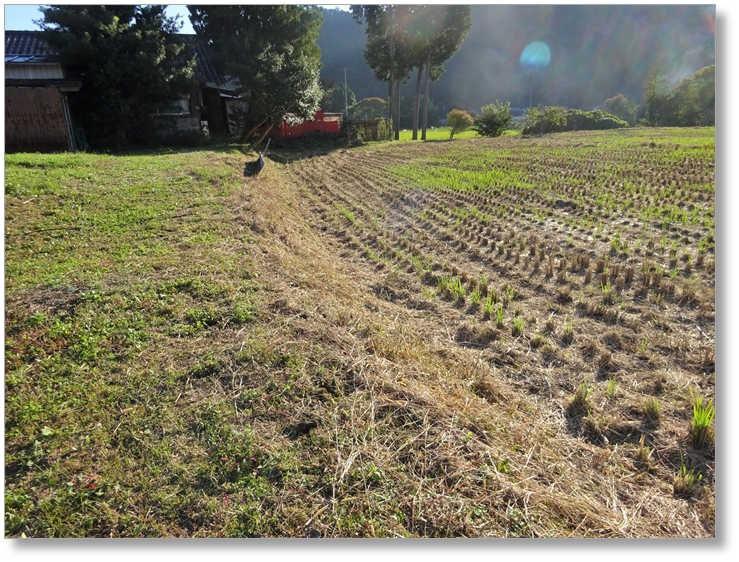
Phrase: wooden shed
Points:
(209, 106)
(37, 116)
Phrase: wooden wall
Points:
(34, 120)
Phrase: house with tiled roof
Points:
(37, 116)
(209, 106)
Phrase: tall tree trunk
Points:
(396, 120)
(426, 98)
(254, 145)
(252, 122)
(390, 101)
(417, 101)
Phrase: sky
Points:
(21, 16)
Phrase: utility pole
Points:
(346, 96)
(391, 90)
(395, 88)
(531, 88)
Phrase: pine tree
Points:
(401, 38)
(388, 52)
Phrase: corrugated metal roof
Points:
(25, 46)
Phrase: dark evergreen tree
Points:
(271, 52)
(388, 51)
(337, 98)
(401, 38)
(130, 61)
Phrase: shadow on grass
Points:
(283, 151)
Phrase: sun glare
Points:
(536, 55)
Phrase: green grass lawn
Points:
(442, 133)
(439, 133)
(116, 267)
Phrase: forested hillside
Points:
(596, 53)
(342, 43)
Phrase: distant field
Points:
(442, 133)
(439, 133)
(508, 337)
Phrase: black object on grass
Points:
(253, 168)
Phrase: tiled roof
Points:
(29, 46)
(25, 46)
(204, 68)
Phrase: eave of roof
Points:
(27, 59)
(64, 84)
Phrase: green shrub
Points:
(610, 122)
(493, 119)
(459, 120)
(541, 120)
(578, 120)
(555, 119)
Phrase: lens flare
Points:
(710, 22)
(536, 55)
